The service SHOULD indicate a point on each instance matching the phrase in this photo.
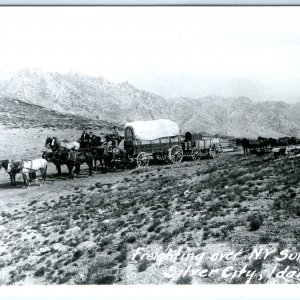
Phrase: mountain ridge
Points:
(98, 98)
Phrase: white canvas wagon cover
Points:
(154, 129)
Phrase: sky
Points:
(171, 51)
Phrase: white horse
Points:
(66, 144)
(55, 143)
(32, 166)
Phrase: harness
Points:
(72, 156)
(30, 169)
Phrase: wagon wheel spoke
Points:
(142, 159)
(196, 153)
(176, 154)
(216, 151)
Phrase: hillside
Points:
(99, 99)
(25, 127)
(89, 230)
(19, 114)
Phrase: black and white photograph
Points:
(149, 145)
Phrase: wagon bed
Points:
(195, 145)
(162, 148)
(148, 139)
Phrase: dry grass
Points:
(88, 235)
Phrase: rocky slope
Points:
(98, 98)
(89, 230)
(18, 114)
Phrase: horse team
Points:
(72, 154)
(90, 151)
(262, 145)
(27, 168)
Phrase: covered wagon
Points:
(157, 139)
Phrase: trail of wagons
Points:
(143, 141)
(157, 140)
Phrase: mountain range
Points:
(99, 99)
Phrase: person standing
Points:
(115, 132)
(84, 139)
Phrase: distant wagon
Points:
(196, 146)
(157, 139)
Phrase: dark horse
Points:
(248, 144)
(95, 147)
(59, 158)
(98, 154)
(71, 159)
(15, 168)
(264, 142)
(77, 158)
(112, 152)
(89, 141)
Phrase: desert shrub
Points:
(154, 224)
(277, 204)
(242, 209)
(104, 242)
(239, 280)
(158, 229)
(256, 220)
(184, 280)
(236, 205)
(238, 172)
(296, 233)
(250, 183)
(188, 223)
(77, 254)
(39, 272)
(123, 253)
(265, 238)
(143, 265)
(32, 202)
(131, 239)
(277, 217)
(104, 279)
(244, 178)
(198, 204)
(151, 239)
(212, 168)
(140, 170)
(273, 190)
(225, 230)
(205, 233)
(101, 273)
(266, 171)
(216, 205)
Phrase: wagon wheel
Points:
(175, 154)
(196, 153)
(142, 159)
(216, 151)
